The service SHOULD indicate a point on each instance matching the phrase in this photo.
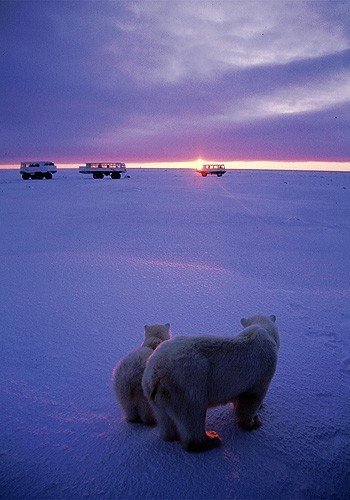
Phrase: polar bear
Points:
(127, 376)
(187, 375)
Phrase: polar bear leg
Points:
(167, 427)
(131, 412)
(146, 413)
(246, 407)
(190, 422)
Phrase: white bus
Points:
(100, 169)
(37, 169)
(212, 169)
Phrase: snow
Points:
(86, 263)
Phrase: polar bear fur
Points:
(187, 375)
(127, 376)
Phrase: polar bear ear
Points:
(273, 317)
(168, 326)
(244, 322)
(146, 328)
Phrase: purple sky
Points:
(174, 80)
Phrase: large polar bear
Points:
(187, 375)
(127, 376)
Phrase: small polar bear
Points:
(187, 375)
(127, 376)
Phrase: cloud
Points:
(174, 79)
(294, 100)
(287, 101)
(174, 41)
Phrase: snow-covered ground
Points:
(86, 263)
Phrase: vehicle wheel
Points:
(48, 175)
(97, 175)
(115, 175)
(219, 175)
(204, 174)
(25, 176)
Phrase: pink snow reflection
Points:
(176, 264)
(333, 292)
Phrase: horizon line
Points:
(333, 166)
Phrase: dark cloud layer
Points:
(158, 81)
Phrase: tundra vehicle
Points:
(212, 169)
(37, 169)
(99, 170)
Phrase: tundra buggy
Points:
(37, 169)
(99, 170)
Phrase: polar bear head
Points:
(155, 334)
(265, 322)
(258, 320)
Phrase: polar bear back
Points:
(128, 373)
(223, 367)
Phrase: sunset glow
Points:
(163, 84)
(230, 165)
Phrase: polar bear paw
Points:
(170, 435)
(209, 442)
(253, 425)
(138, 420)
